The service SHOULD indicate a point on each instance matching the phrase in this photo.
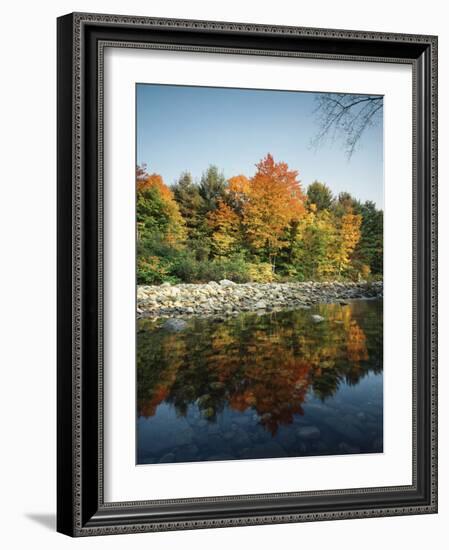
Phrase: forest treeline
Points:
(263, 228)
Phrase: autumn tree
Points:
(313, 247)
(159, 225)
(157, 209)
(225, 226)
(347, 238)
(237, 193)
(274, 201)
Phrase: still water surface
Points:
(261, 385)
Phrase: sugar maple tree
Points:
(274, 201)
(262, 208)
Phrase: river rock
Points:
(308, 432)
(174, 325)
(317, 318)
(225, 283)
(227, 298)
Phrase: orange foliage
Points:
(273, 201)
(238, 191)
(356, 344)
(176, 231)
(225, 225)
(149, 181)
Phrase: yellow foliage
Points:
(225, 225)
(261, 272)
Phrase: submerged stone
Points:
(309, 432)
(174, 325)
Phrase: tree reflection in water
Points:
(271, 365)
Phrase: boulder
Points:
(226, 283)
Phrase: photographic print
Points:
(222, 255)
(259, 238)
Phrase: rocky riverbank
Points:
(228, 298)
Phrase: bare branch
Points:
(346, 116)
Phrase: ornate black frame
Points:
(81, 507)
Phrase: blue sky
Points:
(187, 128)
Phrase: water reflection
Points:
(267, 385)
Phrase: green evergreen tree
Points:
(369, 251)
(212, 188)
(189, 200)
(320, 195)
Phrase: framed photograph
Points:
(247, 279)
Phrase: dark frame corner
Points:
(81, 510)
